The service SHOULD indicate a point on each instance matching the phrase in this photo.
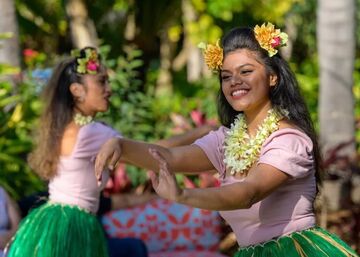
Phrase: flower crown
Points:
(88, 64)
(268, 37)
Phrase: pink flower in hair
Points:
(276, 42)
(92, 66)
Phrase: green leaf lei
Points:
(241, 151)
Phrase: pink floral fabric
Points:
(168, 228)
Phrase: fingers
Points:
(157, 156)
(110, 150)
(101, 160)
(99, 165)
(114, 160)
(164, 172)
(164, 182)
(154, 179)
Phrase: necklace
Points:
(82, 120)
(241, 151)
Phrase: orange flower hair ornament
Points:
(270, 38)
(213, 55)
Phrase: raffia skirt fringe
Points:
(58, 230)
(313, 242)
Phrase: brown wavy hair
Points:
(57, 114)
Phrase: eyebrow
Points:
(239, 67)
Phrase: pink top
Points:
(286, 210)
(75, 182)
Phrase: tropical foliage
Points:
(20, 109)
(147, 45)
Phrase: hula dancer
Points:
(266, 153)
(68, 142)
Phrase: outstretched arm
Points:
(186, 138)
(188, 159)
(260, 182)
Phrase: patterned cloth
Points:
(167, 228)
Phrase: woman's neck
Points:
(255, 118)
(83, 112)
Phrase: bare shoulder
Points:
(69, 138)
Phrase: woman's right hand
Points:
(108, 156)
(164, 182)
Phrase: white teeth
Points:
(239, 92)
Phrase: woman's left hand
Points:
(164, 183)
(108, 156)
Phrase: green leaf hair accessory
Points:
(89, 64)
(75, 53)
(270, 38)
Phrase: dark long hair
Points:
(285, 95)
(57, 114)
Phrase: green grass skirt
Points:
(57, 230)
(314, 242)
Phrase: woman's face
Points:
(245, 82)
(97, 93)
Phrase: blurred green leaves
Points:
(20, 108)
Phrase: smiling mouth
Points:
(240, 92)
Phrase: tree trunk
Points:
(83, 32)
(164, 81)
(9, 49)
(336, 46)
(291, 30)
(194, 63)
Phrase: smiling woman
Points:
(245, 81)
(266, 153)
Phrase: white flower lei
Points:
(241, 151)
(82, 120)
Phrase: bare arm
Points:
(186, 138)
(189, 159)
(121, 201)
(14, 217)
(260, 182)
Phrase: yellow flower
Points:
(270, 38)
(213, 55)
